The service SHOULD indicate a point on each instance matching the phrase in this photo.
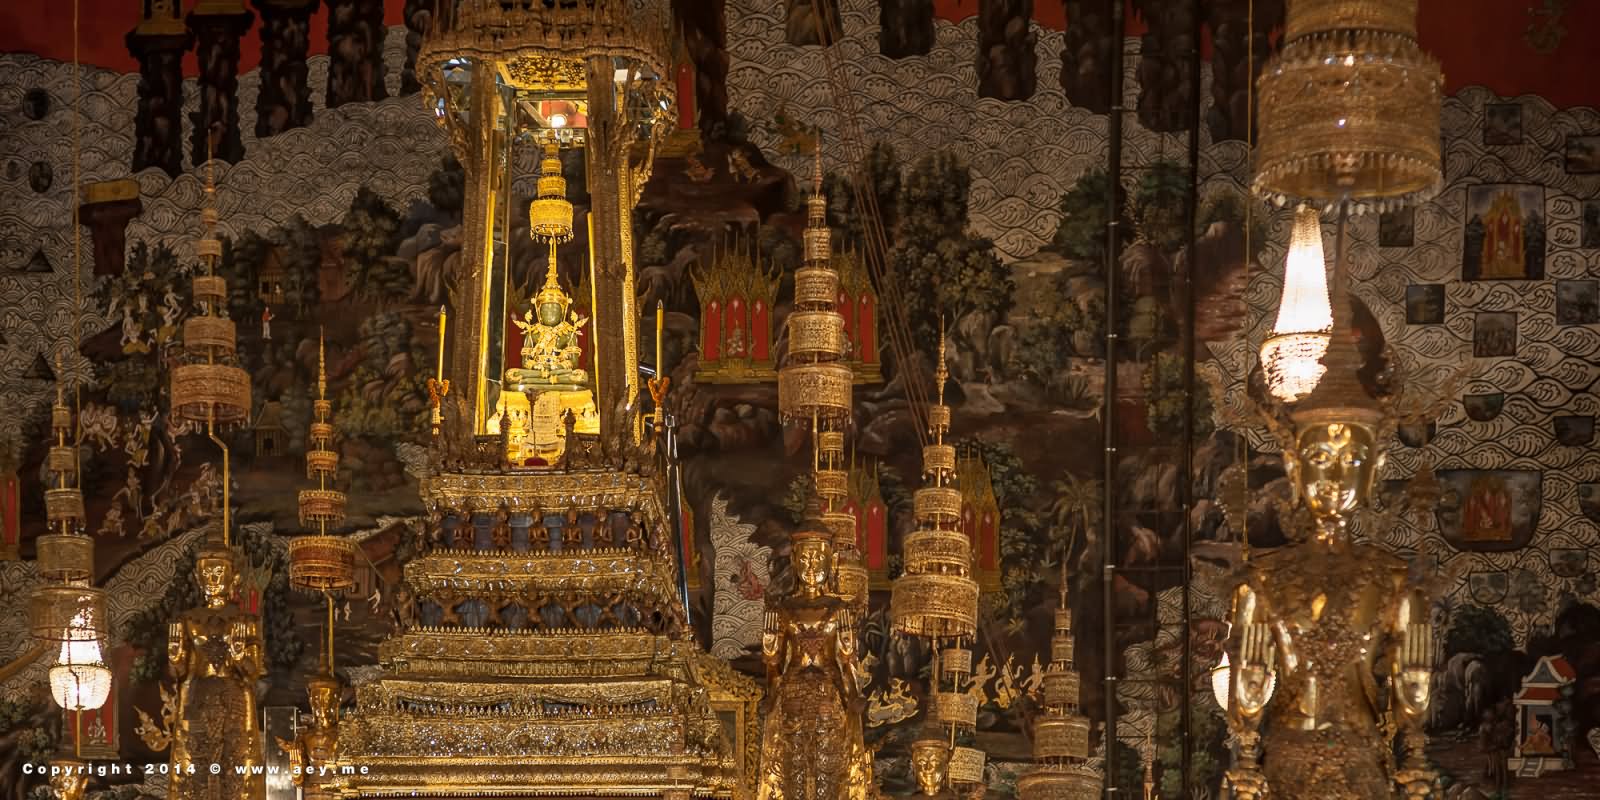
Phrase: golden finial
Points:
(816, 168)
(322, 366)
(940, 372)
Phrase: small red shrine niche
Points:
(736, 323)
(865, 503)
(980, 519)
(858, 304)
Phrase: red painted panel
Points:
(866, 338)
(685, 80)
(736, 329)
(876, 548)
(760, 331)
(711, 333)
(10, 510)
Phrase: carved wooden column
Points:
(284, 99)
(355, 52)
(105, 209)
(1086, 54)
(905, 27)
(607, 152)
(214, 127)
(159, 43)
(1007, 63)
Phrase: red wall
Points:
(1483, 46)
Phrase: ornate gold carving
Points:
(937, 551)
(934, 605)
(816, 334)
(64, 557)
(806, 391)
(937, 504)
(222, 390)
(202, 333)
(1326, 16)
(321, 563)
(549, 73)
(816, 285)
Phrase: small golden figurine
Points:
(316, 746)
(1332, 618)
(930, 762)
(811, 743)
(216, 654)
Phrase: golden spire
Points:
(322, 367)
(322, 506)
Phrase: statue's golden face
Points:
(1333, 467)
(216, 579)
(324, 697)
(811, 563)
(928, 761)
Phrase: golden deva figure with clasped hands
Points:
(811, 745)
(216, 654)
(1333, 620)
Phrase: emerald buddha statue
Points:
(551, 355)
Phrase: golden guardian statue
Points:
(1331, 636)
(811, 745)
(216, 654)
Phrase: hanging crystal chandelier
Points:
(1292, 356)
(80, 680)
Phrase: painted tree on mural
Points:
(943, 269)
(372, 234)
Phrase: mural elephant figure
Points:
(1467, 674)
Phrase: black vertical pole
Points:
(1190, 345)
(1109, 414)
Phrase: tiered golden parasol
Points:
(208, 386)
(814, 387)
(322, 563)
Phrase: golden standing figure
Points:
(811, 744)
(216, 654)
(316, 746)
(1334, 619)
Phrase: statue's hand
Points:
(1254, 679)
(1415, 673)
(175, 644)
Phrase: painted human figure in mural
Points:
(811, 743)
(1503, 252)
(216, 654)
(1487, 516)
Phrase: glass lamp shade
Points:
(1292, 356)
(80, 680)
(1221, 676)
